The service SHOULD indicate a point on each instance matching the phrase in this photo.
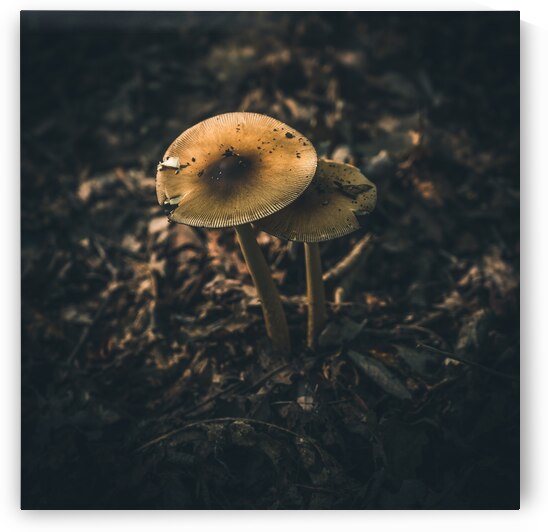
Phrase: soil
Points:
(147, 377)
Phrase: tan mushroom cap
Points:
(233, 169)
(328, 207)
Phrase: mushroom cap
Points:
(328, 207)
(233, 169)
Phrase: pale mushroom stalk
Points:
(315, 293)
(274, 316)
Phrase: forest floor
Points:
(147, 377)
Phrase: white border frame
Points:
(534, 209)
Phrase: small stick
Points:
(347, 263)
(315, 292)
(226, 420)
(182, 412)
(85, 333)
(447, 354)
(263, 379)
(205, 402)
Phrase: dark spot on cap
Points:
(230, 167)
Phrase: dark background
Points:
(147, 381)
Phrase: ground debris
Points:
(380, 374)
(148, 379)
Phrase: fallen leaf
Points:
(381, 375)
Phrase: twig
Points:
(85, 333)
(262, 380)
(224, 420)
(347, 263)
(141, 257)
(447, 354)
(316, 488)
(104, 257)
(192, 409)
(425, 330)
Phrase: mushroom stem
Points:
(273, 312)
(315, 292)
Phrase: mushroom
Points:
(233, 169)
(326, 210)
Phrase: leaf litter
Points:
(147, 377)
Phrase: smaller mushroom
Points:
(326, 210)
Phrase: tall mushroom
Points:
(326, 210)
(233, 169)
